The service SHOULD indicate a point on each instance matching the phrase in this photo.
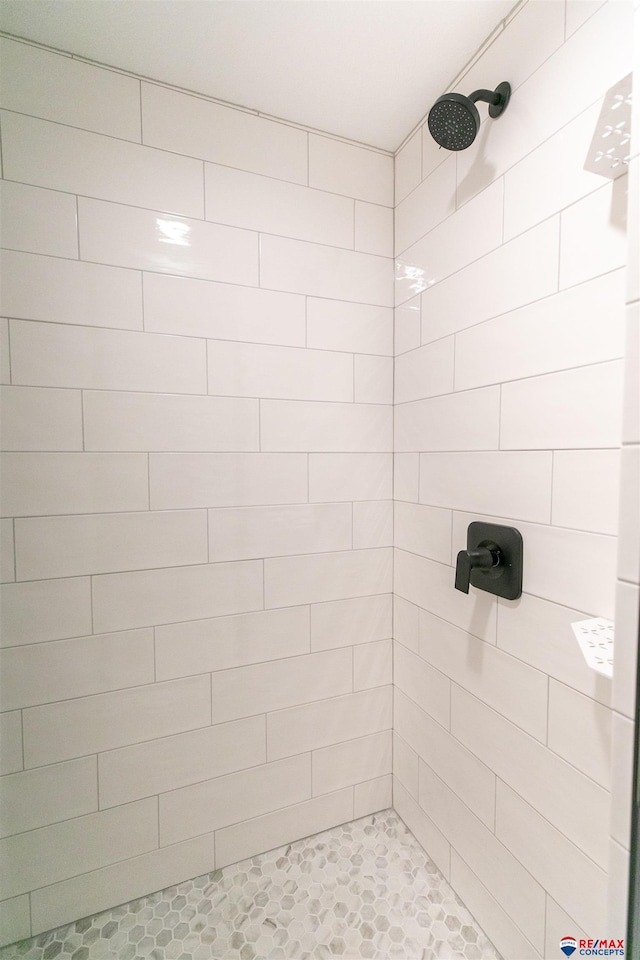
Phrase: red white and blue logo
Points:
(568, 945)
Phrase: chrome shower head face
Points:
(454, 121)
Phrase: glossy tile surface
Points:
(365, 889)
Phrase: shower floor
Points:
(365, 889)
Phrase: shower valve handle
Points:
(467, 560)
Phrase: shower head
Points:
(454, 119)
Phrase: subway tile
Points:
(373, 379)
(468, 777)
(344, 623)
(372, 796)
(630, 406)
(551, 177)
(468, 481)
(539, 633)
(314, 725)
(627, 607)
(106, 543)
(373, 229)
(497, 283)
(425, 685)
(405, 763)
(493, 862)
(63, 158)
(558, 332)
(429, 585)
(5, 363)
(580, 732)
(407, 319)
(285, 373)
(373, 524)
(633, 225)
(578, 11)
(348, 763)
(213, 804)
(7, 552)
(38, 484)
(38, 221)
(557, 920)
(568, 875)
(63, 669)
(290, 426)
(70, 291)
(406, 623)
(372, 665)
(181, 480)
(461, 421)
(350, 170)
(533, 34)
(243, 199)
(44, 84)
(573, 803)
(428, 205)
(423, 530)
(143, 598)
(433, 842)
(575, 408)
(200, 646)
(10, 742)
(536, 110)
(629, 538)
(408, 166)
(296, 266)
(146, 769)
(99, 889)
(329, 576)
(44, 856)
(75, 728)
(593, 234)
(148, 240)
(469, 233)
(277, 684)
(57, 355)
(504, 934)
(45, 610)
(618, 899)
(245, 533)
(350, 476)
(586, 490)
(48, 795)
(165, 422)
(186, 124)
(622, 759)
(406, 467)
(36, 419)
(514, 688)
(581, 573)
(15, 920)
(425, 372)
(283, 826)
(354, 327)
(222, 311)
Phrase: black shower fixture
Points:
(454, 119)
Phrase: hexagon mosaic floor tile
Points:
(363, 890)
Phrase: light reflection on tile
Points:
(362, 890)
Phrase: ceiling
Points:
(363, 69)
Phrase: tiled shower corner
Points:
(365, 889)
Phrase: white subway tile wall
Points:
(509, 339)
(197, 370)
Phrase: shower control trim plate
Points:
(492, 560)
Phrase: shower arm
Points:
(487, 96)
